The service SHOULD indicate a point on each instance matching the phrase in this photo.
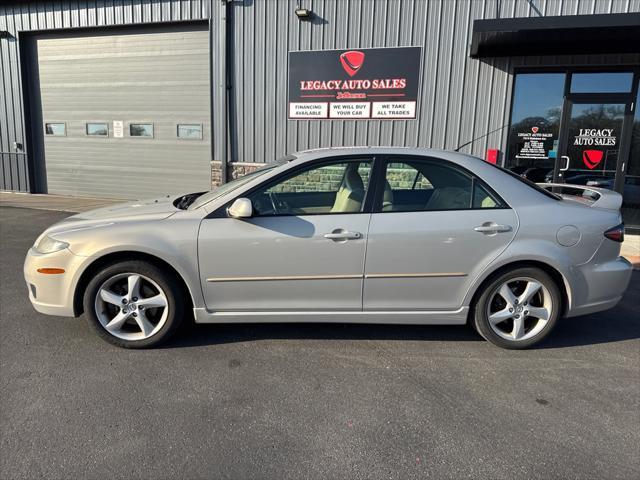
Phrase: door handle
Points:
(566, 165)
(340, 234)
(490, 228)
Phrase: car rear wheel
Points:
(133, 304)
(518, 308)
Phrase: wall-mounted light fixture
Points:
(5, 34)
(303, 13)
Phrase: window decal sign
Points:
(592, 158)
(369, 83)
(534, 144)
(595, 136)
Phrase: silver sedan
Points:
(367, 235)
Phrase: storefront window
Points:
(631, 192)
(601, 82)
(535, 123)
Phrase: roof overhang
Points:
(564, 35)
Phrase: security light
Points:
(303, 13)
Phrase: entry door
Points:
(437, 227)
(594, 143)
(303, 249)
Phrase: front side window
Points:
(428, 185)
(329, 188)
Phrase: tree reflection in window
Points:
(97, 129)
(141, 130)
(535, 123)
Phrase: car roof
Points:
(367, 150)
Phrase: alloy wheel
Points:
(131, 306)
(519, 308)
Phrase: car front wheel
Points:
(133, 304)
(518, 308)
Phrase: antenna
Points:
(478, 138)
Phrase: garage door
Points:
(124, 115)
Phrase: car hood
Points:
(150, 206)
(139, 210)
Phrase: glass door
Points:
(591, 143)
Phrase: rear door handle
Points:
(340, 234)
(490, 227)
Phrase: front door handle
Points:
(566, 164)
(491, 228)
(340, 234)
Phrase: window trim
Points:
(87, 134)
(221, 212)
(53, 134)
(153, 130)
(190, 139)
(501, 204)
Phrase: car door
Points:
(435, 227)
(303, 248)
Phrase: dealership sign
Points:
(534, 144)
(379, 83)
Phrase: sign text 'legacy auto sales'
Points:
(380, 83)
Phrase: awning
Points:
(569, 34)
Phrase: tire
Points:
(134, 304)
(523, 318)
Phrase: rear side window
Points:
(528, 183)
(412, 185)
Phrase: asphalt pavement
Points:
(311, 401)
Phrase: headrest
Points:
(352, 179)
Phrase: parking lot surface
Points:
(311, 401)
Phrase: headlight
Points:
(50, 245)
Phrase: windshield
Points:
(233, 184)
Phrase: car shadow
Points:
(616, 325)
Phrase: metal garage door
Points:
(125, 115)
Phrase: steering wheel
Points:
(279, 206)
(272, 198)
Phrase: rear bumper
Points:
(599, 286)
(52, 294)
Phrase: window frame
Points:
(87, 134)
(501, 204)
(374, 181)
(147, 137)
(191, 124)
(44, 129)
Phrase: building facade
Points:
(127, 98)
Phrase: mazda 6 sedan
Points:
(362, 235)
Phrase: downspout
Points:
(222, 119)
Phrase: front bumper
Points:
(599, 286)
(52, 294)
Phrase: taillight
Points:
(615, 233)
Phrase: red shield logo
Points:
(592, 158)
(535, 129)
(352, 61)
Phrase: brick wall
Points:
(237, 169)
(324, 179)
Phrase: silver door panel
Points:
(426, 260)
(282, 263)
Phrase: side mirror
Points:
(240, 208)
